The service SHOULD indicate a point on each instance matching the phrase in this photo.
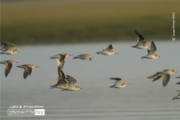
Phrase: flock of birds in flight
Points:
(68, 83)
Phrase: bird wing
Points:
(72, 81)
(110, 47)
(7, 45)
(166, 78)
(152, 76)
(118, 80)
(178, 83)
(157, 78)
(8, 69)
(61, 58)
(140, 38)
(25, 74)
(179, 94)
(115, 78)
(27, 71)
(153, 48)
(62, 78)
(60, 67)
(60, 73)
(178, 77)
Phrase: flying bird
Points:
(72, 84)
(84, 57)
(27, 69)
(108, 51)
(60, 58)
(8, 48)
(141, 43)
(62, 82)
(118, 84)
(9, 64)
(151, 53)
(164, 74)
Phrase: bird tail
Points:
(20, 66)
(75, 57)
(178, 83)
(98, 53)
(143, 57)
(51, 87)
(111, 86)
(154, 80)
(2, 53)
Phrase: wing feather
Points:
(166, 78)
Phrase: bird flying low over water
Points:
(141, 43)
(5, 45)
(9, 64)
(72, 84)
(62, 83)
(8, 48)
(151, 53)
(178, 96)
(66, 82)
(164, 74)
(118, 84)
(84, 57)
(60, 57)
(27, 69)
(108, 51)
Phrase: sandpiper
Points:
(151, 53)
(141, 43)
(9, 64)
(9, 51)
(8, 48)
(165, 74)
(27, 69)
(84, 57)
(5, 45)
(108, 51)
(62, 81)
(72, 84)
(178, 96)
(60, 57)
(118, 84)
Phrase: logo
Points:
(24, 110)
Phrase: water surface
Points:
(141, 100)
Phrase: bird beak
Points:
(116, 53)
(37, 66)
(16, 62)
(71, 55)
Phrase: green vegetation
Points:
(87, 21)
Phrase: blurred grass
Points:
(87, 21)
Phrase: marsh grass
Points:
(78, 21)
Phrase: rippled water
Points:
(141, 100)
